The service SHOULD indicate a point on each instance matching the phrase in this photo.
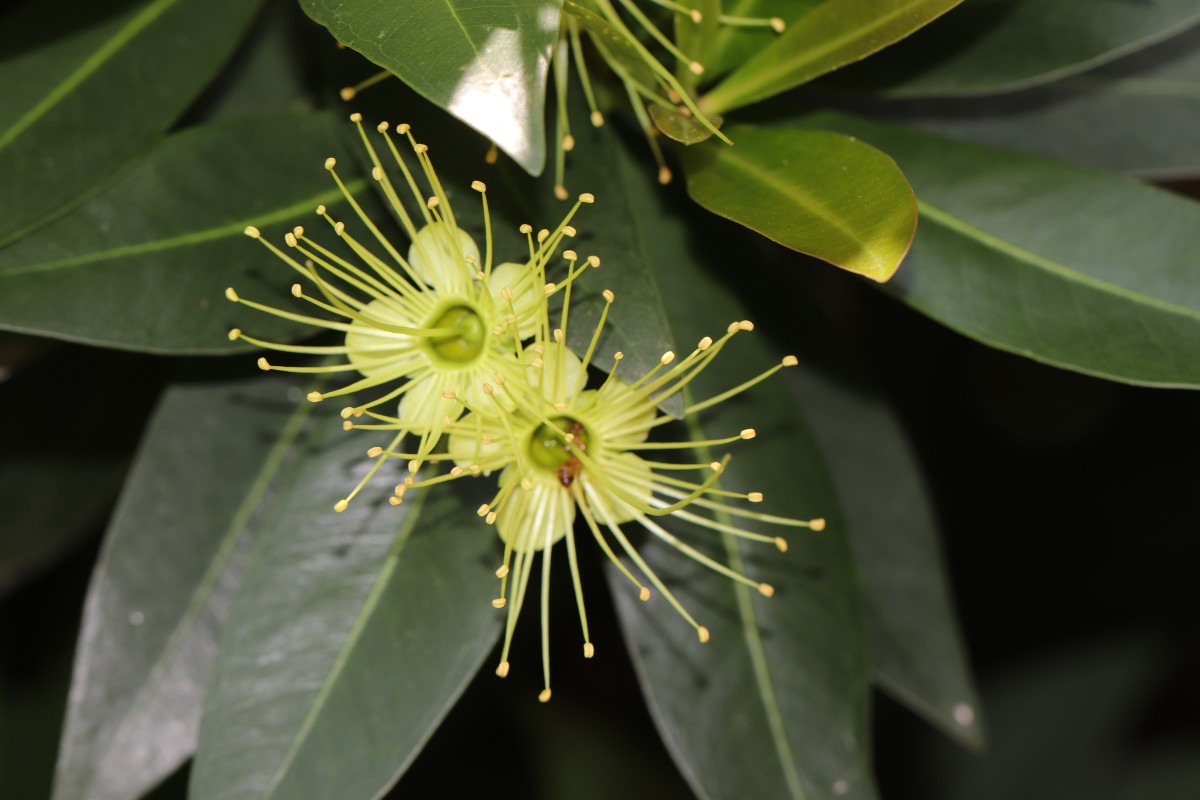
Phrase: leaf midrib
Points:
(934, 214)
(92, 63)
(228, 230)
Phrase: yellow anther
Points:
(715, 466)
(588, 650)
(347, 412)
(356, 117)
(330, 163)
(432, 202)
(499, 377)
(230, 294)
(500, 573)
(487, 389)
(697, 17)
(395, 501)
(263, 365)
(593, 261)
(608, 296)
(755, 497)
(449, 394)
(790, 361)
(702, 632)
(644, 594)
(570, 255)
(543, 235)
(341, 505)
(377, 173)
(746, 325)
(507, 294)
(499, 602)
(733, 326)
(544, 696)
(558, 335)
(490, 518)
(479, 186)
(234, 333)
(320, 211)
(617, 356)
(382, 127)
(667, 357)
(290, 239)
(315, 397)
(502, 670)
(781, 544)
(347, 93)
(696, 67)
(403, 128)
(483, 510)
(374, 452)
(587, 197)
(704, 343)
(420, 149)
(527, 484)
(569, 230)
(817, 524)
(347, 425)
(664, 175)
(766, 590)
(777, 24)
(252, 232)
(487, 438)
(568, 144)
(597, 119)
(561, 192)
(748, 433)
(297, 290)
(525, 228)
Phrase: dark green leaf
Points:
(144, 264)
(484, 62)
(834, 34)
(1139, 114)
(75, 109)
(163, 583)
(1080, 269)
(1010, 44)
(350, 637)
(821, 193)
(776, 704)
(913, 634)
(681, 128)
(38, 527)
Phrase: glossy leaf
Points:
(1004, 45)
(821, 193)
(123, 71)
(172, 227)
(834, 34)
(163, 583)
(915, 644)
(351, 636)
(484, 62)
(684, 129)
(1079, 269)
(735, 44)
(775, 705)
(1138, 114)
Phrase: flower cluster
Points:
(482, 381)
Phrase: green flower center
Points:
(548, 449)
(466, 338)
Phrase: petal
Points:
(620, 415)
(520, 280)
(440, 258)
(635, 480)
(560, 379)
(423, 405)
(533, 519)
(375, 352)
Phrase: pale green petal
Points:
(377, 352)
(423, 405)
(440, 258)
(619, 415)
(560, 379)
(635, 480)
(534, 519)
(520, 280)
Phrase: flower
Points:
(431, 326)
(564, 452)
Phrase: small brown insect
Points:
(570, 469)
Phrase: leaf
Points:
(914, 639)
(1004, 45)
(735, 44)
(484, 62)
(776, 704)
(163, 581)
(350, 637)
(821, 193)
(76, 108)
(1138, 114)
(144, 264)
(834, 34)
(685, 129)
(1080, 269)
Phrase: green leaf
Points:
(821, 193)
(1004, 45)
(775, 705)
(163, 582)
(75, 109)
(834, 34)
(484, 62)
(144, 264)
(685, 129)
(1068, 266)
(735, 44)
(1138, 114)
(38, 528)
(914, 640)
(350, 637)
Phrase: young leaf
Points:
(169, 236)
(1080, 269)
(485, 63)
(350, 637)
(163, 582)
(1013, 44)
(821, 193)
(834, 34)
(775, 705)
(736, 43)
(74, 110)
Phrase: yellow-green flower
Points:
(566, 452)
(426, 324)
